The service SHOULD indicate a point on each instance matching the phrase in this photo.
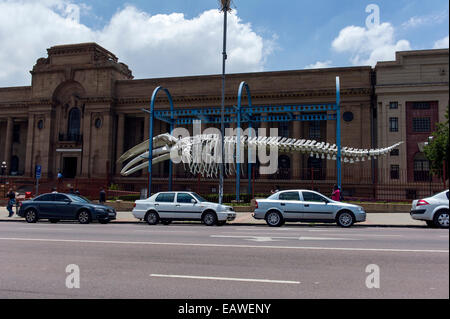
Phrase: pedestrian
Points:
(102, 196)
(71, 191)
(11, 202)
(77, 192)
(336, 195)
(54, 191)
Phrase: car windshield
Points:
(198, 197)
(79, 198)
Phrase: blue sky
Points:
(304, 29)
(264, 35)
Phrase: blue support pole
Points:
(338, 132)
(238, 150)
(150, 144)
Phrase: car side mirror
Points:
(193, 201)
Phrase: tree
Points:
(437, 149)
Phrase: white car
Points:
(433, 210)
(169, 206)
(306, 206)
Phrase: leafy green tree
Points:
(437, 149)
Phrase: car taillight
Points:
(134, 205)
(422, 202)
(256, 206)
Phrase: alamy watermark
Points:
(73, 277)
(373, 279)
(206, 148)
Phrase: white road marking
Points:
(114, 242)
(271, 238)
(228, 279)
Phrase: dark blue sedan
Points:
(59, 206)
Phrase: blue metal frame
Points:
(249, 115)
(338, 132)
(150, 144)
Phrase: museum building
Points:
(83, 110)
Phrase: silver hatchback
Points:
(306, 206)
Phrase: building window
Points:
(16, 133)
(395, 172)
(421, 106)
(421, 124)
(421, 168)
(283, 129)
(314, 129)
(40, 124)
(98, 123)
(393, 105)
(395, 152)
(73, 131)
(348, 116)
(393, 124)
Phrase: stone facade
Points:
(412, 90)
(83, 110)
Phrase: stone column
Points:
(29, 171)
(120, 139)
(8, 142)
(296, 157)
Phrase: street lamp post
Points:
(225, 7)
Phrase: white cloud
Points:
(152, 45)
(441, 44)
(368, 46)
(431, 19)
(319, 65)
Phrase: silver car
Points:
(166, 207)
(433, 210)
(306, 206)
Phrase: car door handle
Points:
(306, 205)
(283, 204)
(156, 204)
(178, 205)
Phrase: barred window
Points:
(283, 129)
(421, 168)
(395, 171)
(421, 105)
(393, 124)
(421, 124)
(314, 129)
(393, 105)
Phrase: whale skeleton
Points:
(200, 154)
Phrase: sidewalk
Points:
(378, 219)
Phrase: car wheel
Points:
(53, 220)
(166, 222)
(345, 219)
(152, 218)
(441, 219)
(103, 221)
(274, 219)
(31, 216)
(209, 219)
(84, 217)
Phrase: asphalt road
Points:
(195, 261)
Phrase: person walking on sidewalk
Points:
(102, 196)
(11, 202)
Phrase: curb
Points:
(129, 222)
